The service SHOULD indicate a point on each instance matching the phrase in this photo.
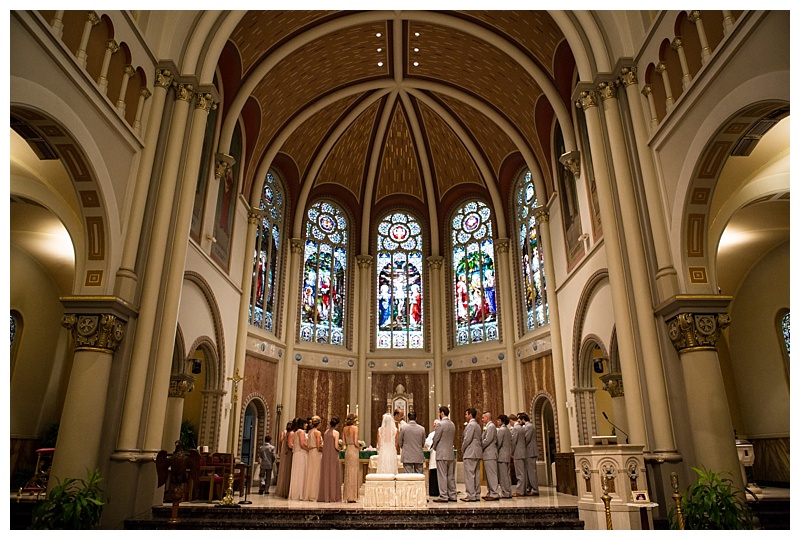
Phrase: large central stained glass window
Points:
(266, 256)
(532, 256)
(324, 275)
(399, 285)
(474, 285)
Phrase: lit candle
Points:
(348, 408)
(356, 409)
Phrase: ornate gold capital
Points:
(612, 383)
(223, 163)
(130, 71)
(180, 385)
(647, 90)
(587, 100)
(112, 46)
(502, 245)
(204, 101)
(661, 67)
(163, 78)
(435, 261)
(145, 93)
(690, 331)
(677, 43)
(628, 76)
(297, 245)
(184, 92)
(92, 17)
(572, 162)
(95, 332)
(541, 213)
(694, 15)
(364, 261)
(606, 91)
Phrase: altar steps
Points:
(216, 518)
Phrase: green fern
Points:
(712, 502)
(72, 504)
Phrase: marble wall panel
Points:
(384, 384)
(537, 376)
(771, 463)
(324, 392)
(481, 389)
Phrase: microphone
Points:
(615, 426)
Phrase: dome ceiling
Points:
(406, 107)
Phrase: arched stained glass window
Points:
(785, 331)
(399, 282)
(324, 272)
(13, 330)
(266, 255)
(474, 287)
(531, 256)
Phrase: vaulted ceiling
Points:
(386, 108)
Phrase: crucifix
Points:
(227, 500)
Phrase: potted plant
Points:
(712, 502)
(71, 504)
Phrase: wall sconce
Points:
(211, 239)
(197, 367)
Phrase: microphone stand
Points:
(615, 427)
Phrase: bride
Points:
(387, 453)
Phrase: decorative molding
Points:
(204, 101)
(297, 245)
(364, 261)
(607, 91)
(572, 162)
(183, 91)
(542, 214)
(435, 262)
(628, 76)
(612, 383)
(180, 385)
(502, 245)
(222, 163)
(587, 100)
(96, 332)
(163, 78)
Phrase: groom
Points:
(411, 440)
(445, 463)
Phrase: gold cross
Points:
(236, 379)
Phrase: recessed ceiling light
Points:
(416, 64)
(379, 49)
(416, 49)
(380, 64)
(416, 34)
(378, 34)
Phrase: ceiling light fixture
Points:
(416, 49)
(378, 34)
(416, 64)
(379, 49)
(416, 34)
(380, 64)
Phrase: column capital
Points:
(541, 213)
(297, 245)
(661, 67)
(364, 261)
(130, 71)
(203, 100)
(223, 162)
(502, 245)
(95, 332)
(628, 76)
(112, 45)
(93, 17)
(435, 261)
(694, 15)
(587, 100)
(696, 331)
(253, 217)
(145, 93)
(163, 78)
(183, 91)
(572, 162)
(607, 91)
(647, 90)
(180, 385)
(612, 383)
(676, 43)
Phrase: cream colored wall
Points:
(755, 346)
(39, 378)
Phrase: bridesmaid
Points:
(351, 458)
(311, 490)
(299, 461)
(330, 482)
(285, 468)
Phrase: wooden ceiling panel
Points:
(345, 164)
(490, 137)
(399, 172)
(452, 163)
(259, 31)
(305, 140)
(482, 70)
(534, 30)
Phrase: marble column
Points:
(134, 409)
(661, 69)
(179, 386)
(559, 376)
(505, 285)
(123, 89)
(677, 45)
(80, 55)
(694, 324)
(96, 326)
(364, 279)
(125, 285)
(176, 258)
(642, 302)
(616, 270)
(111, 48)
(144, 93)
(57, 24)
(435, 263)
(647, 92)
(292, 298)
(705, 50)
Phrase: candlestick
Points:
(356, 409)
(348, 408)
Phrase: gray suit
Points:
(411, 440)
(445, 463)
(471, 450)
(531, 453)
(489, 445)
(519, 454)
(503, 460)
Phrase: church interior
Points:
(224, 220)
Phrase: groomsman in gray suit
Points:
(504, 456)
(472, 452)
(519, 454)
(489, 446)
(531, 454)
(411, 440)
(445, 463)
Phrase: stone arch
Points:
(263, 421)
(592, 284)
(539, 400)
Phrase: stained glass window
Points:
(399, 282)
(474, 287)
(324, 272)
(531, 256)
(785, 330)
(266, 255)
(13, 329)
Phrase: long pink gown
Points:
(311, 489)
(330, 481)
(299, 463)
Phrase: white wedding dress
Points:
(387, 453)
